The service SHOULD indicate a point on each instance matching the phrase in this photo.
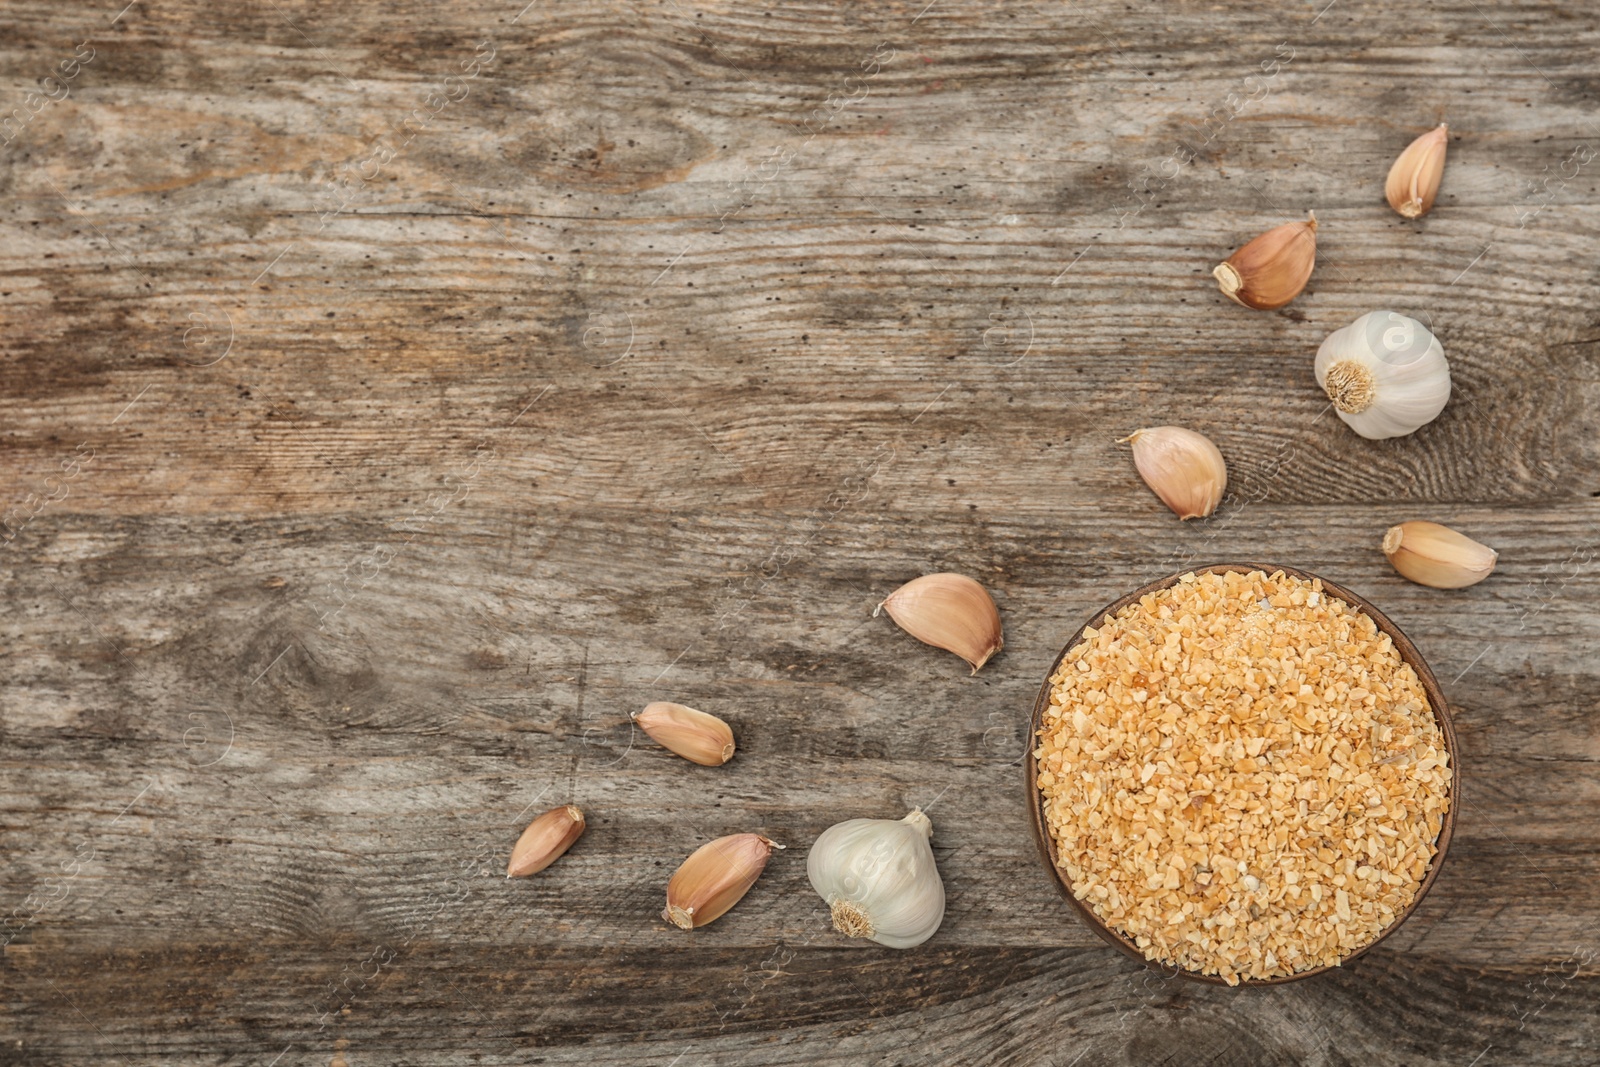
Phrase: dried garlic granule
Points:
(1242, 775)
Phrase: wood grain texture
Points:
(393, 398)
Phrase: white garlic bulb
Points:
(1385, 373)
(879, 879)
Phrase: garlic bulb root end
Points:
(1350, 386)
(850, 920)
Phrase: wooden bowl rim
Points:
(1408, 652)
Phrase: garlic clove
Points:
(1413, 180)
(694, 735)
(714, 878)
(1183, 468)
(1385, 373)
(948, 611)
(545, 840)
(879, 879)
(1272, 269)
(1437, 556)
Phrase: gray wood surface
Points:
(394, 397)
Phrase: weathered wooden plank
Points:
(370, 453)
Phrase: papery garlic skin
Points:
(1181, 467)
(1437, 556)
(1413, 180)
(879, 879)
(545, 840)
(693, 734)
(714, 878)
(1271, 269)
(948, 611)
(1385, 373)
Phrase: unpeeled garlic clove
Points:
(1414, 177)
(714, 878)
(544, 841)
(1182, 467)
(1434, 555)
(1272, 269)
(948, 611)
(694, 735)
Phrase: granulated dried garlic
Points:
(1242, 775)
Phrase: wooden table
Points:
(397, 396)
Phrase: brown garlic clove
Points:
(1414, 177)
(1437, 556)
(948, 611)
(714, 878)
(1182, 467)
(544, 841)
(1271, 270)
(694, 735)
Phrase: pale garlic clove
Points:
(1413, 180)
(1437, 556)
(948, 611)
(694, 735)
(714, 878)
(1272, 269)
(545, 840)
(1182, 467)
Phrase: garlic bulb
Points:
(1181, 467)
(1385, 373)
(879, 879)
(948, 611)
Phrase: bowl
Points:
(1408, 652)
